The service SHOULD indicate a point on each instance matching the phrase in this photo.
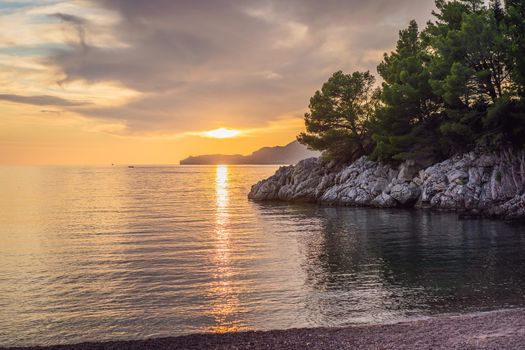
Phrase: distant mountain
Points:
(289, 154)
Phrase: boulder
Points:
(384, 201)
(406, 194)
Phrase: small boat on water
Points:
(131, 166)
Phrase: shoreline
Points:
(476, 184)
(501, 329)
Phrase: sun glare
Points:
(222, 133)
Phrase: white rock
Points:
(483, 182)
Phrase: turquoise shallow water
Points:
(91, 254)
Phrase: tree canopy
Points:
(409, 107)
(340, 114)
(456, 85)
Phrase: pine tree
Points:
(402, 127)
(498, 11)
(469, 71)
(515, 21)
(473, 5)
(339, 116)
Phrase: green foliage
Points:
(504, 123)
(339, 116)
(458, 84)
(402, 125)
(497, 10)
(471, 70)
(469, 65)
(515, 27)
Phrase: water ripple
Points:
(108, 253)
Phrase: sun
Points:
(222, 133)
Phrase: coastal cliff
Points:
(478, 183)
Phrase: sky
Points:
(150, 82)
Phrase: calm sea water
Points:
(91, 254)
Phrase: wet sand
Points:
(492, 330)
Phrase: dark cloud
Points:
(243, 62)
(78, 23)
(43, 100)
(49, 111)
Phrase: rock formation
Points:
(478, 183)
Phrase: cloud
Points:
(225, 63)
(50, 111)
(78, 23)
(42, 100)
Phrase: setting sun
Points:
(222, 133)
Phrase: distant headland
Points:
(292, 153)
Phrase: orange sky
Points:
(142, 82)
(31, 140)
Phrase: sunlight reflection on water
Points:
(226, 302)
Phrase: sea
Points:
(118, 253)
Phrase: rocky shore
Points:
(492, 330)
(476, 183)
